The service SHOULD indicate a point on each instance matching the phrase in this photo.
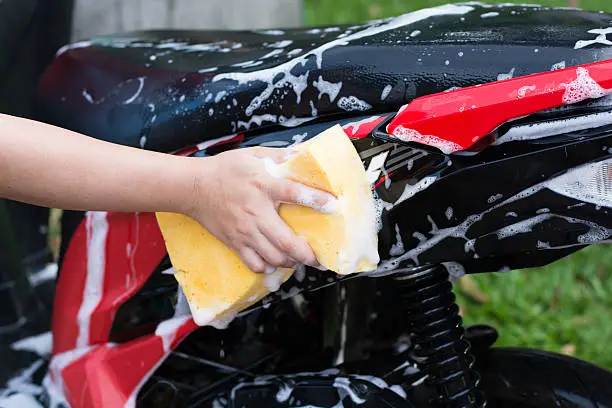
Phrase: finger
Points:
(269, 252)
(288, 191)
(252, 260)
(282, 236)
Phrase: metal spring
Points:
(438, 337)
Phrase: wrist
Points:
(197, 183)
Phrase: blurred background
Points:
(565, 307)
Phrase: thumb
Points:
(288, 191)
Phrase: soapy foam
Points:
(411, 135)
(525, 89)
(595, 234)
(353, 103)
(411, 190)
(40, 344)
(47, 273)
(306, 197)
(257, 120)
(490, 14)
(281, 44)
(600, 39)
(449, 213)
(509, 75)
(552, 128)
(167, 330)
(97, 231)
(397, 248)
(204, 316)
(282, 73)
(19, 401)
(273, 279)
(582, 88)
(385, 92)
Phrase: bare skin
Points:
(230, 194)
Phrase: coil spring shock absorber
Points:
(438, 337)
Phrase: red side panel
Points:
(110, 376)
(109, 258)
(455, 120)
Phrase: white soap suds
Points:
(272, 32)
(411, 135)
(583, 88)
(20, 400)
(600, 39)
(272, 281)
(256, 120)
(205, 316)
(40, 344)
(522, 92)
(167, 330)
(283, 393)
(558, 65)
(509, 75)
(97, 231)
(205, 70)
(455, 269)
(281, 44)
(596, 233)
(490, 14)
(541, 130)
(281, 75)
(271, 54)
(344, 384)
(306, 197)
(47, 273)
(449, 213)
(411, 190)
(385, 92)
(352, 103)
(397, 248)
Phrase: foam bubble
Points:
(582, 88)
(411, 135)
(352, 103)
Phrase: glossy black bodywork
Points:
(113, 89)
(155, 84)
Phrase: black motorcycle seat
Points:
(165, 90)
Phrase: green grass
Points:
(565, 307)
(319, 12)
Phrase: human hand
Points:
(237, 201)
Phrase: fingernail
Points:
(269, 270)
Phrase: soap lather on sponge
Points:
(342, 235)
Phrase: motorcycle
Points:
(486, 133)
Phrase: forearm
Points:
(49, 166)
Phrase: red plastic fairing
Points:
(111, 376)
(362, 128)
(455, 120)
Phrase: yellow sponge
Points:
(216, 282)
